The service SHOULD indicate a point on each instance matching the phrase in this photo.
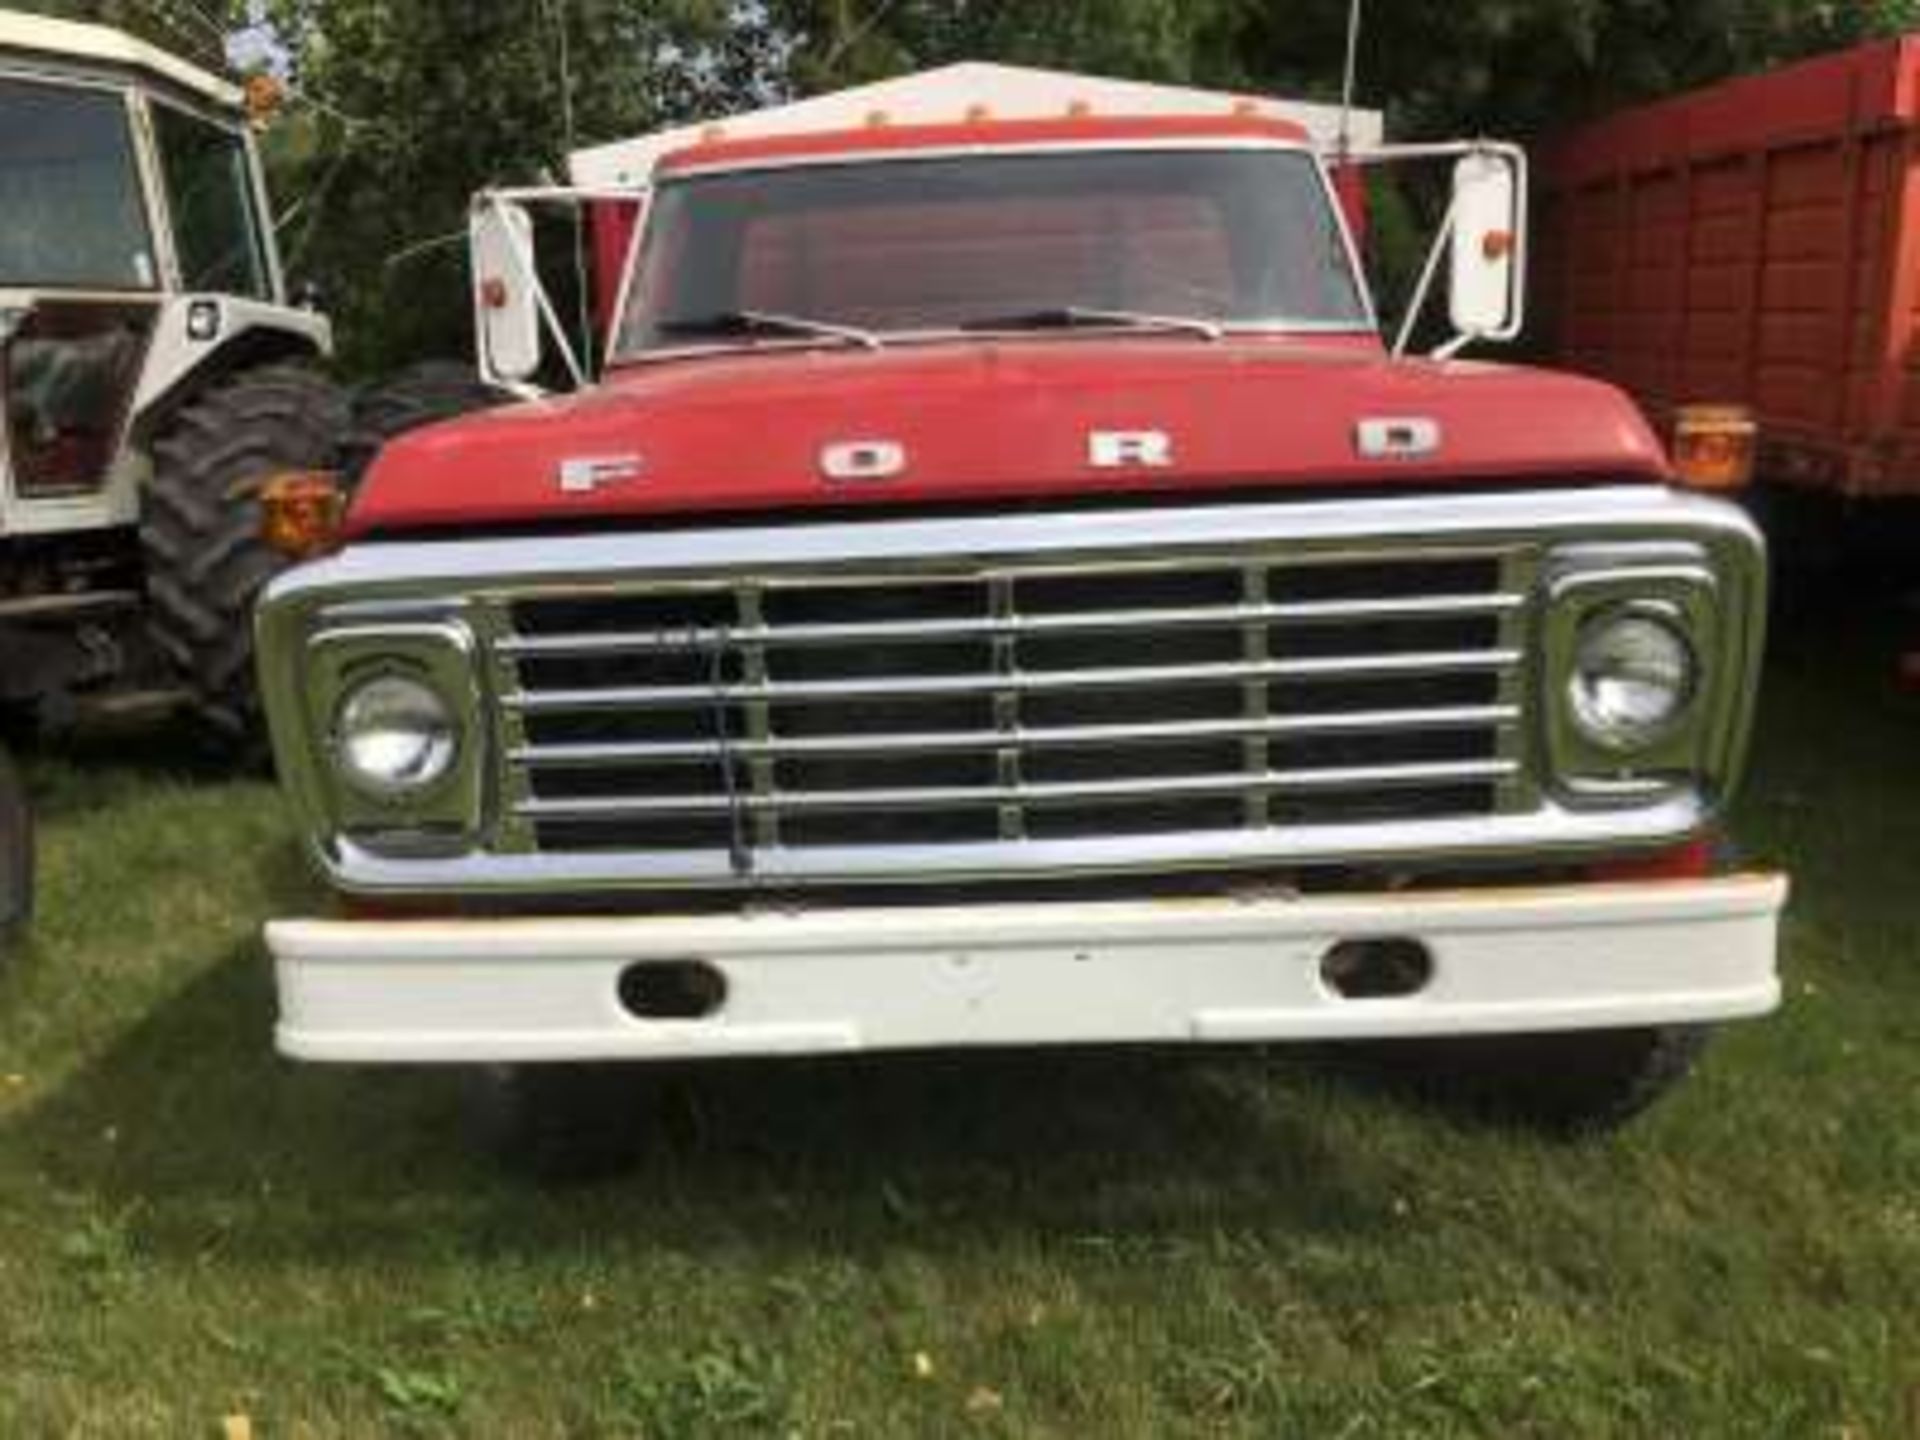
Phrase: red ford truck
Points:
(1002, 590)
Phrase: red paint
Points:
(892, 139)
(1002, 421)
(610, 226)
(1755, 243)
(1697, 860)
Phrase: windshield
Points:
(1234, 237)
(210, 195)
(70, 209)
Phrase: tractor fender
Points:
(248, 333)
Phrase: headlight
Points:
(1633, 677)
(394, 737)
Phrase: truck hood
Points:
(987, 421)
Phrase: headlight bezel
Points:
(443, 814)
(1684, 595)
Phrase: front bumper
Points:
(1209, 971)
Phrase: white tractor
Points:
(153, 377)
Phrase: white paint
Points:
(1006, 92)
(101, 45)
(1206, 971)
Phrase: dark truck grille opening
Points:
(1013, 704)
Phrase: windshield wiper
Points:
(1069, 317)
(763, 322)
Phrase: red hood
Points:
(744, 432)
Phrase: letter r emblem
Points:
(1129, 449)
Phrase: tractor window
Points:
(216, 229)
(70, 210)
(1242, 237)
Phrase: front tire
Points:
(567, 1123)
(16, 857)
(200, 529)
(1580, 1083)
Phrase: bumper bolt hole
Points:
(672, 990)
(1389, 969)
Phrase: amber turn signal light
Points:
(1715, 447)
(301, 513)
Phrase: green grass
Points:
(1073, 1246)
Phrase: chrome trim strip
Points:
(1552, 834)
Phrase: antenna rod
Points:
(1347, 84)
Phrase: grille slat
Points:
(1469, 718)
(1012, 706)
(1344, 667)
(1385, 777)
(591, 645)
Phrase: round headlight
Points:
(394, 736)
(1633, 676)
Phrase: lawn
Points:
(1111, 1245)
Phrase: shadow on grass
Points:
(191, 1124)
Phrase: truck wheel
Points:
(1581, 1083)
(423, 394)
(200, 527)
(16, 856)
(566, 1123)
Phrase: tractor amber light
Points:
(301, 513)
(265, 98)
(1715, 446)
(1497, 245)
(493, 293)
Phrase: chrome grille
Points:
(1001, 704)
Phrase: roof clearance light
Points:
(1715, 447)
(977, 114)
(1244, 107)
(877, 119)
(1078, 109)
(301, 513)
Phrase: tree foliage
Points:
(407, 106)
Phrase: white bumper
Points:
(1570, 958)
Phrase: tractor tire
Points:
(200, 529)
(421, 395)
(1578, 1084)
(16, 857)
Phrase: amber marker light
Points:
(1715, 447)
(301, 513)
(265, 97)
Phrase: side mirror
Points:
(506, 291)
(1489, 229)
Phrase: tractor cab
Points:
(154, 380)
(128, 185)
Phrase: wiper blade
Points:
(1068, 317)
(764, 322)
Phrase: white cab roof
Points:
(40, 36)
(1006, 92)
